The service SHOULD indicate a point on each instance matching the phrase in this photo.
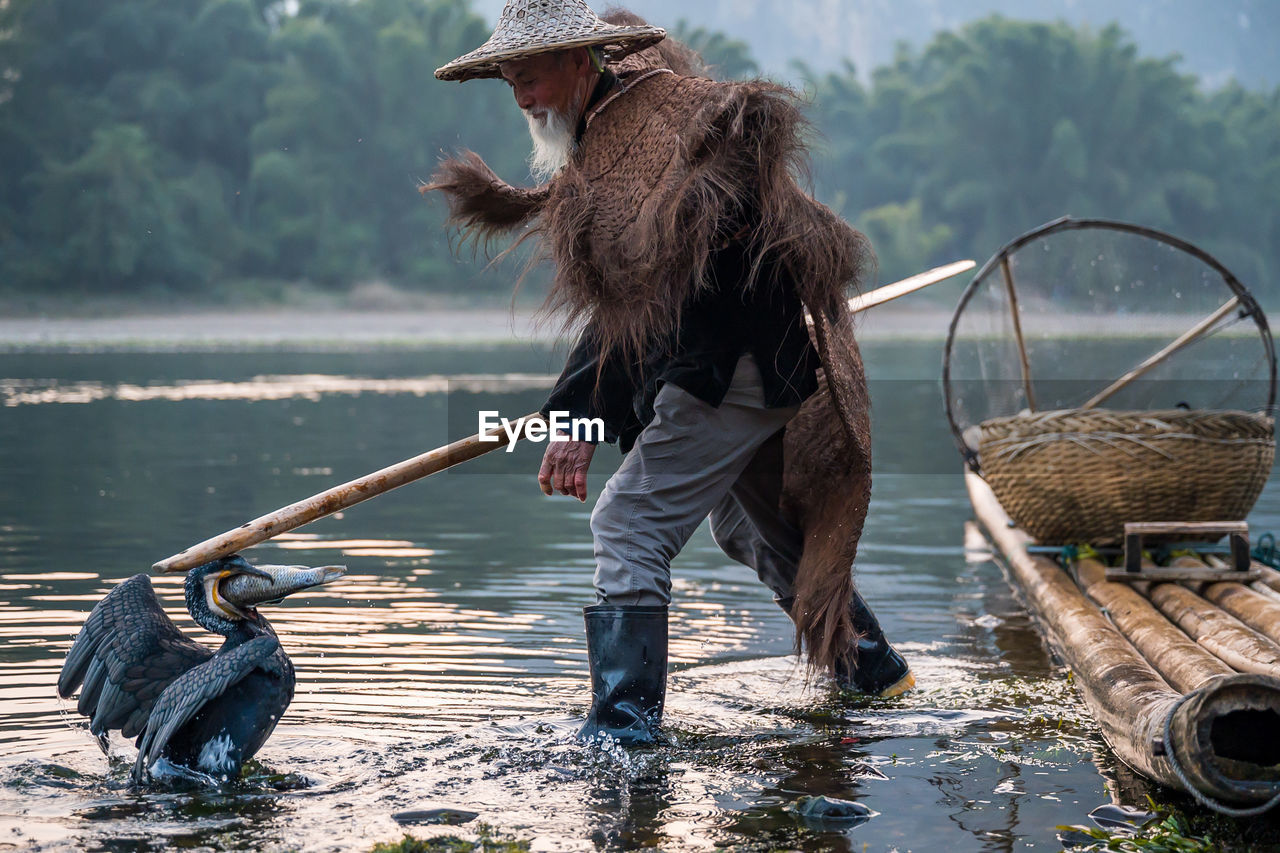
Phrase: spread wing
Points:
(189, 692)
(124, 657)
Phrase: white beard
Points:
(553, 143)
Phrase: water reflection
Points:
(36, 392)
(448, 667)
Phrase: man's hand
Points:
(564, 468)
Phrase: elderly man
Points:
(686, 254)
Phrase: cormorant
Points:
(205, 710)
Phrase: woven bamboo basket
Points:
(1078, 475)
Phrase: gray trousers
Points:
(691, 461)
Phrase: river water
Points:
(449, 667)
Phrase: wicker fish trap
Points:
(1078, 475)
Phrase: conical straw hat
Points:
(529, 27)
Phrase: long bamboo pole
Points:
(863, 301)
(336, 499)
(1188, 337)
(349, 494)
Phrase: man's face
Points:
(551, 89)
(546, 82)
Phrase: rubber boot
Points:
(627, 653)
(878, 669)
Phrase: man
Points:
(687, 255)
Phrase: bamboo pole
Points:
(1254, 609)
(379, 482)
(1182, 662)
(863, 301)
(338, 498)
(1270, 577)
(1220, 633)
(1187, 337)
(1017, 333)
(1257, 587)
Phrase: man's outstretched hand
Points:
(564, 468)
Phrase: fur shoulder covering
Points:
(667, 173)
(482, 205)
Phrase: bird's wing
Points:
(124, 657)
(189, 692)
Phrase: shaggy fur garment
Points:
(666, 174)
(481, 205)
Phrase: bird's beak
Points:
(270, 584)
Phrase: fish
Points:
(270, 584)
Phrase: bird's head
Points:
(228, 590)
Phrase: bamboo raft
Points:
(1183, 677)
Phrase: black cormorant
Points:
(202, 709)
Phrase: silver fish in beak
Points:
(270, 584)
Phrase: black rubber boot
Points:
(627, 653)
(878, 669)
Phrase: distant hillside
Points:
(1219, 39)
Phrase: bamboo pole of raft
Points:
(1017, 333)
(1133, 704)
(1220, 633)
(1259, 611)
(1261, 588)
(1188, 337)
(1254, 609)
(338, 498)
(349, 494)
(1090, 645)
(1270, 577)
(1179, 659)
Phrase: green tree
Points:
(865, 155)
(1042, 120)
(725, 58)
(355, 123)
(902, 239)
(1003, 125)
(1243, 140)
(180, 79)
(111, 216)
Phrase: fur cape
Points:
(630, 224)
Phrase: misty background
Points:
(232, 152)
